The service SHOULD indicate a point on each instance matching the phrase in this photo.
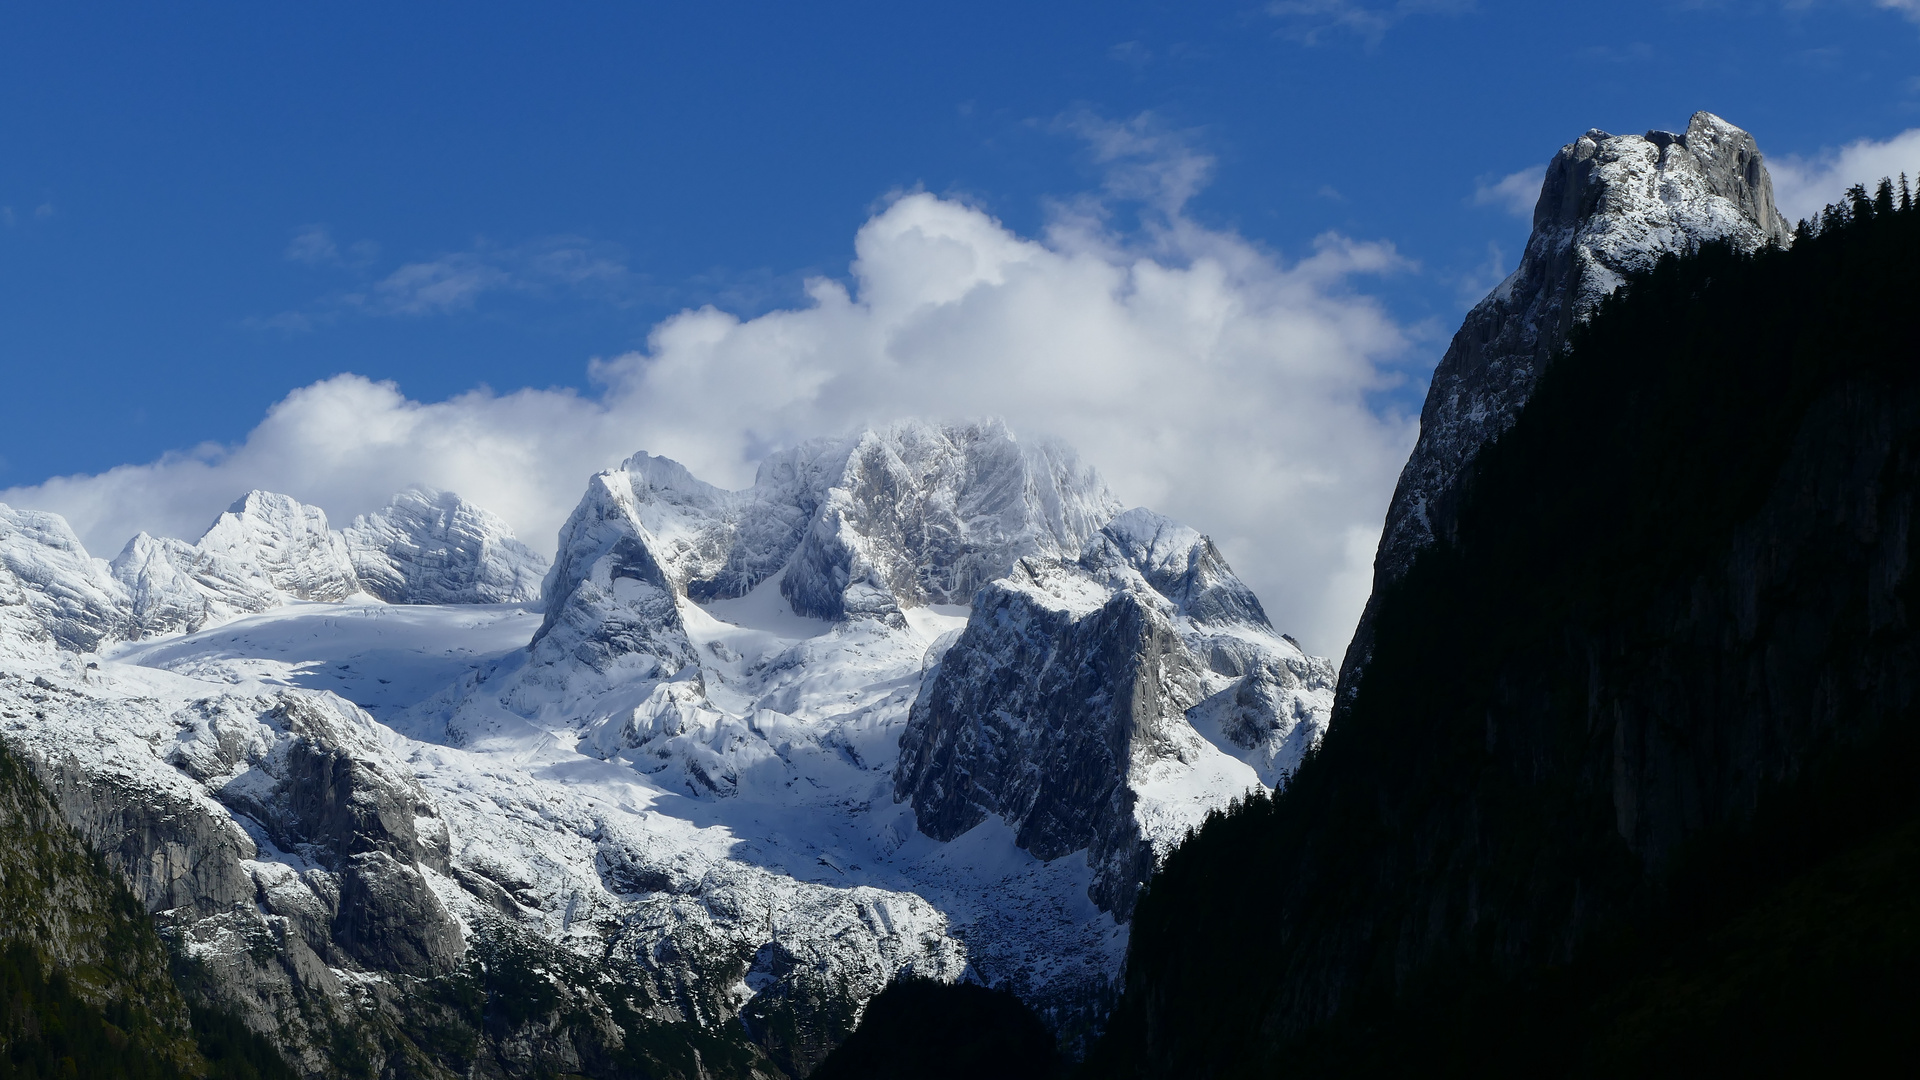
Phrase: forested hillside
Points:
(1628, 785)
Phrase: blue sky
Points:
(203, 210)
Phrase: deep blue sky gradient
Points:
(156, 164)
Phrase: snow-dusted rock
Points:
(433, 547)
(925, 515)
(162, 594)
(267, 547)
(1107, 704)
(67, 594)
(1611, 205)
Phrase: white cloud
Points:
(1515, 192)
(1802, 186)
(1204, 376)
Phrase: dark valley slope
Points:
(1629, 785)
(85, 985)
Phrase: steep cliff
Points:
(1610, 206)
(1641, 715)
(1106, 704)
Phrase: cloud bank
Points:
(1802, 186)
(1205, 377)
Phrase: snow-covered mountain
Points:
(922, 698)
(433, 547)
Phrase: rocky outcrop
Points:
(1087, 704)
(922, 515)
(433, 547)
(1610, 206)
(71, 914)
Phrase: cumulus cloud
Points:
(1204, 376)
(1516, 193)
(1802, 186)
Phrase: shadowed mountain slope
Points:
(1627, 785)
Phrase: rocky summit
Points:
(925, 699)
(1610, 206)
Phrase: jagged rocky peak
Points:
(52, 589)
(1098, 703)
(433, 547)
(1610, 205)
(926, 515)
(860, 527)
(276, 544)
(610, 604)
(162, 593)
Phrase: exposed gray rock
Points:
(1079, 701)
(433, 547)
(1039, 713)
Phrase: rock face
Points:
(72, 914)
(1610, 206)
(433, 547)
(853, 529)
(904, 516)
(1074, 704)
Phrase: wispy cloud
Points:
(452, 282)
(1516, 192)
(1313, 22)
(1143, 159)
(315, 246)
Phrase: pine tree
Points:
(1860, 204)
(1883, 198)
(1906, 194)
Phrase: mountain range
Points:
(925, 702)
